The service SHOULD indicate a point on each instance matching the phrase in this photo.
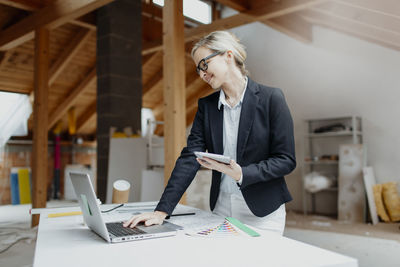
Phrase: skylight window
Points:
(194, 9)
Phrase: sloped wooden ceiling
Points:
(73, 46)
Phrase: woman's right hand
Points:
(149, 218)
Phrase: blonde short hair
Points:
(222, 41)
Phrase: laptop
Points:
(112, 232)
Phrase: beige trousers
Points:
(234, 205)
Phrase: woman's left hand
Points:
(233, 169)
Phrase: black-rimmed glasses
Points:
(203, 63)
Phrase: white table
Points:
(66, 241)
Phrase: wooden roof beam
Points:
(193, 100)
(292, 25)
(51, 16)
(65, 57)
(352, 27)
(194, 86)
(191, 104)
(63, 107)
(272, 9)
(86, 21)
(387, 7)
(364, 16)
(153, 82)
(4, 56)
(155, 57)
(27, 5)
(67, 54)
(239, 5)
(88, 115)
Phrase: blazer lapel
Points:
(249, 105)
(216, 125)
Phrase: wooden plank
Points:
(87, 21)
(51, 16)
(193, 84)
(351, 198)
(23, 85)
(40, 113)
(153, 82)
(221, 24)
(86, 117)
(197, 91)
(363, 16)
(239, 5)
(154, 59)
(191, 108)
(215, 11)
(63, 107)
(192, 103)
(386, 7)
(154, 96)
(369, 182)
(67, 54)
(152, 10)
(9, 89)
(192, 34)
(292, 25)
(351, 27)
(174, 85)
(28, 5)
(271, 10)
(4, 57)
(201, 90)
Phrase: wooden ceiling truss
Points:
(72, 75)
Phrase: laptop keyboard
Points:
(117, 229)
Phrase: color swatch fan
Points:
(225, 229)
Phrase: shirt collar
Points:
(222, 100)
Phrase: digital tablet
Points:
(217, 157)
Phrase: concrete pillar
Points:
(119, 77)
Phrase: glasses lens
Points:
(202, 66)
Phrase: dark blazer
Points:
(265, 150)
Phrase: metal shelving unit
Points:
(318, 146)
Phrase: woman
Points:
(246, 121)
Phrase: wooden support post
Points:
(40, 118)
(174, 85)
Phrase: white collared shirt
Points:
(230, 136)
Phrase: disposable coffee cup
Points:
(120, 191)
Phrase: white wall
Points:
(336, 75)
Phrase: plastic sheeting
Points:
(314, 182)
(15, 110)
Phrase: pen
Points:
(183, 214)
